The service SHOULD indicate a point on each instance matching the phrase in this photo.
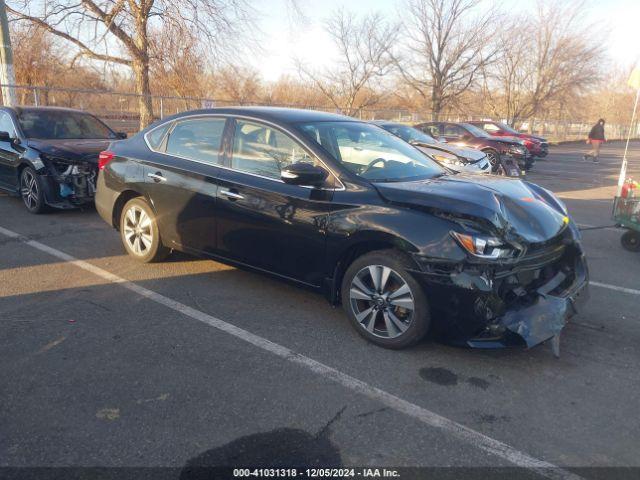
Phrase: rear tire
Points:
(630, 240)
(384, 302)
(139, 232)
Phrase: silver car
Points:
(458, 159)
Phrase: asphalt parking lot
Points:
(106, 362)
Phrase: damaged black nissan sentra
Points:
(49, 155)
(347, 208)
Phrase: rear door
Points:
(264, 222)
(9, 156)
(181, 180)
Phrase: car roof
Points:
(277, 114)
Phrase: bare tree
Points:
(237, 85)
(364, 45)
(445, 48)
(555, 56)
(117, 31)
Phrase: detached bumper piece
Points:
(71, 184)
(525, 302)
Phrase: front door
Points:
(264, 222)
(182, 181)
(9, 156)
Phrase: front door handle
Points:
(157, 177)
(230, 194)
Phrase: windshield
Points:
(371, 152)
(52, 124)
(409, 134)
(475, 131)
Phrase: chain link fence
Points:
(120, 111)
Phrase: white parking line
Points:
(456, 430)
(632, 291)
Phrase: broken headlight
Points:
(448, 159)
(483, 246)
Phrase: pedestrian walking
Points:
(596, 139)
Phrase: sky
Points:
(287, 36)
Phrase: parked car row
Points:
(345, 207)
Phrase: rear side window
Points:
(155, 138)
(197, 139)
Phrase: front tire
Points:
(32, 191)
(384, 302)
(139, 232)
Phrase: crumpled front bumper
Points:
(540, 321)
(472, 313)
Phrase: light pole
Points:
(7, 75)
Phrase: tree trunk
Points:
(145, 107)
(436, 104)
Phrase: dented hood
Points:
(517, 209)
(74, 150)
(471, 154)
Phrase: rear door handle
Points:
(157, 177)
(230, 194)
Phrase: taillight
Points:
(104, 158)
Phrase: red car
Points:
(537, 146)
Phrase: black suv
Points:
(345, 207)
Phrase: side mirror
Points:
(121, 135)
(465, 137)
(303, 174)
(5, 137)
(499, 132)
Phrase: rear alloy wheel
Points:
(139, 232)
(31, 191)
(631, 241)
(383, 301)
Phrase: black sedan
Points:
(402, 243)
(49, 155)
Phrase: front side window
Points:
(61, 124)
(264, 151)
(371, 152)
(452, 131)
(490, 127)
(197, 139)
(6, 125)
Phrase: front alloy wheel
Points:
(384, 302)
(381, 301)
(31, 191)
